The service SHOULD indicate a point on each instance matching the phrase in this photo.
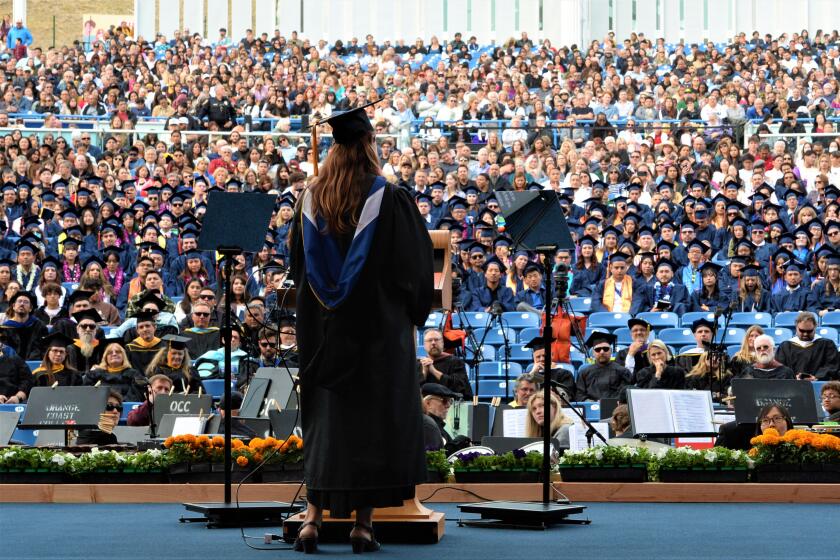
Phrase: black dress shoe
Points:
(307, 545)
(361, 544)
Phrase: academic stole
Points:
(626, 293)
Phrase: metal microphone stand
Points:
(718, 355)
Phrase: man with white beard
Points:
(766, 366)
(86, 350)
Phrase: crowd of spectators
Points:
(671, 203)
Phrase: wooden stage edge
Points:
(439, 493)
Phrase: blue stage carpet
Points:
(623, 531)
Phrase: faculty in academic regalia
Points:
(635, 357)
(809, 356)
(604, 379)
(362, 262)
(142, 350)
(173, 361)
(54, 367)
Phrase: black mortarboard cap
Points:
(176, 342)
(600, 336)
(91, 314)
(350, 126)
(57, 339)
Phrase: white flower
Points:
(598, 453)
(58, 460)
(154, 452)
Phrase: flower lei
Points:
(116, 279)
(71, 275)
(26, 286)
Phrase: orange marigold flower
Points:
(203, 440)
(237, 444)
(218, 441)
(242, 461)
(753, 452)
(169, 441)
(255, 443)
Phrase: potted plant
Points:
(798, 456)
(718, 464)
(99, 467)
(147, 467)
(22, 465)
(283, 459)
(606, 464)
(513, 466)
(437, 466)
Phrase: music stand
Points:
(535, 222)
(751, 395)
(234, 223)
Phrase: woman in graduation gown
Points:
(362, 261)
(588, 271)
(709, 296)
(825, 295)
(115, 371)
(55, 367)
(751, 295)
(173, 361)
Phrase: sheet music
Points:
(692, 412)
(651, 411)
(514, 422)
(577, 435)
(184, 425)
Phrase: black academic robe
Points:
(819, 358)
(29, 335)
(82, 363)
(596, 382)
(179, 380)
(122, 382)
(14, 376)
(778, 371)
(672, 378)
(640, 361)
(360, 400)
(202, 340)
(65, 377)
(706, 383)
(454, 375)
(141, 356)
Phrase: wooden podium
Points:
(411, 523)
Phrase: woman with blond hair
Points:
(115, 370)
(709, 375)
(660, 374)
(534, 422)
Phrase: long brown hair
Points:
(338, 190)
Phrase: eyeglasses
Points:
(829, 396)
(110, 407)
(601, 349)
(805, 331)
(763, 347)
(477, 257)
(207, 296)
(291, 333)
(201, 313)
(773, 420)
(267, 345)
(87, 326)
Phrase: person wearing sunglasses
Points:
(268, 346)
(603, 379)
(202, 337)
(103, 435)
(810, 356)
(86, 349)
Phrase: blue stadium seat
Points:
(779, 334)
(70, 286)
(607, 320)
(785, 319)
(489, 389)
(495, 336)
(660, 320)
(12, 407)
(520, 320)
(592, 410)
(733, 349)
(570, 368)
(817, 386)
(497, 369)
(214, 387)
(581, 304)
(517, 353)
(677, 337)
(691, 316)
(24, 437)
(831, 319)
(129, 406)
(33, 364)
(764, 320)
(732, 335)
(488, 352)
(474, 319)
(623, 336)
(421, 351)
(828, 332)
(433, 320)
(526, 335)
(577, 357)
